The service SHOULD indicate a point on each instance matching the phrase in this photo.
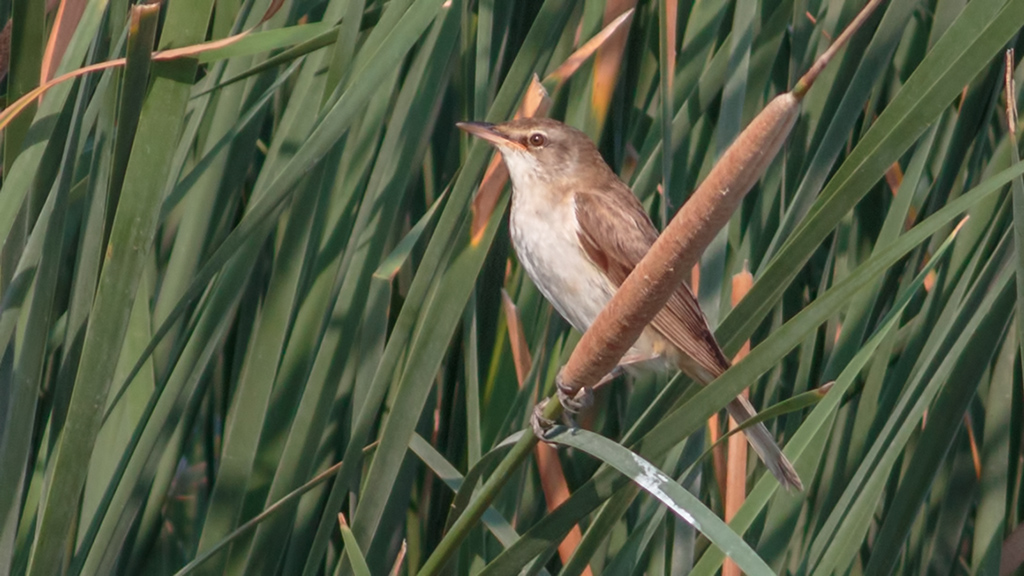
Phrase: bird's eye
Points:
(537, 140)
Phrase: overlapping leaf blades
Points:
(286, 280)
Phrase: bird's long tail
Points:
(764, 444)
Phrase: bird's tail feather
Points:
(764, 444)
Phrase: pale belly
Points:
(545, 239)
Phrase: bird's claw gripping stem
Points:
(574, 400)
(540, 423)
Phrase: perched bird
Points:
(579, 231)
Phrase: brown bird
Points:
(579, 231)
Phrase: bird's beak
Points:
(491, 133)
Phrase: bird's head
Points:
(541, 151)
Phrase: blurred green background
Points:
(225, 273)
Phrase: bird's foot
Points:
(574, 400)
(541, 424)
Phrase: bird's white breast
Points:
(544, 233)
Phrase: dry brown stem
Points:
(736, 475)
(807, 80)
(69, 14)
(608, 61)
(549, 467)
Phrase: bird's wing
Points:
(616, 233)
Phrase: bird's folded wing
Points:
(616, 233)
